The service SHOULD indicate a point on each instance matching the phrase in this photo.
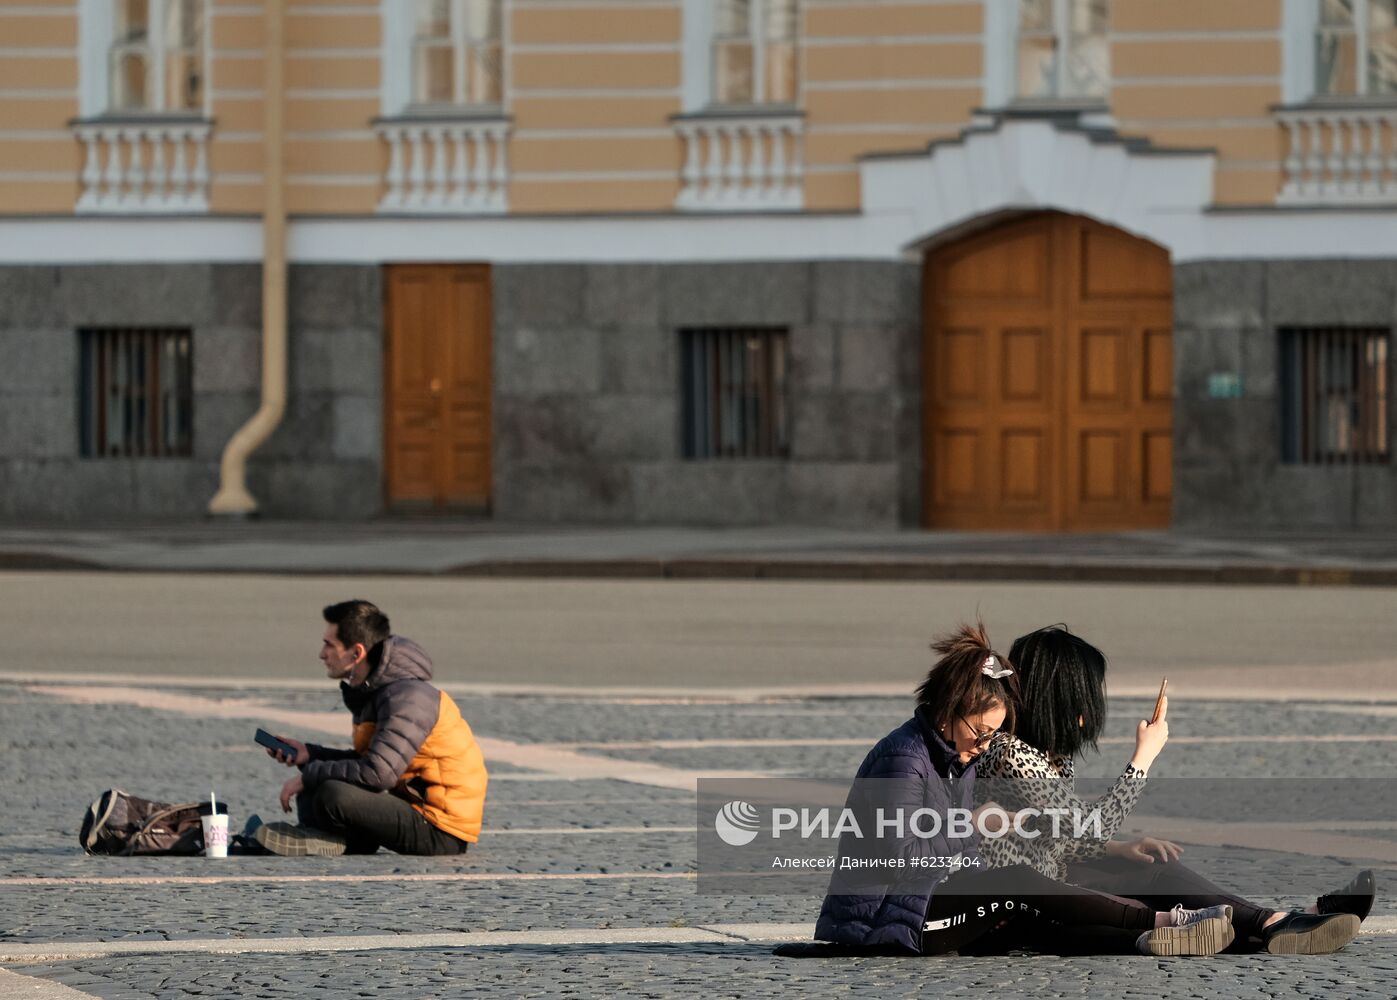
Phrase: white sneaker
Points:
(1183, 918)
(1194, 932)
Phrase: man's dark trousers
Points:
(370, 820)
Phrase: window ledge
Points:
(165, 118)
(729, 112)
(1039, 107)
(441, 114)
(1317, 105)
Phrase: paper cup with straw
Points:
(215, 820)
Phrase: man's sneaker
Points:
(1356, 897)
(1194, 932)
(292, 841)
(1310, 933)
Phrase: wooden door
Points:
(1048, 379)
(438, 386)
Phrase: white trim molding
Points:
(130, 240)
(891, 233)
(697, 55)
(1000, 55)
(1299, 19)
(1034, 164)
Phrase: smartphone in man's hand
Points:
(269, 741)
(1159, 702)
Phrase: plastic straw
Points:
(213, 805)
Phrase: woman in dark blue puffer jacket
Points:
(926, 763)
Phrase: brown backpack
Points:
(122, 824)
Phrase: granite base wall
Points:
(323, 461)
(1227, 452)
(587, 421)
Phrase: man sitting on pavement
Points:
(415, 780)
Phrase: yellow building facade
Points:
(596, 106)
(958, 263)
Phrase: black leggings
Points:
(370, 820)
(1081, 918)
(1163, 884)
(971, 910)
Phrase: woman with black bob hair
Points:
(1064, 691)
(924, 889)
(1062, 680)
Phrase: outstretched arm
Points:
(1020, 777)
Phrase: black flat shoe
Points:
(1355, 898)
(1310, 933)
(241, 845)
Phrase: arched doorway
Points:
(1048, 379)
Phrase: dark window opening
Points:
(1334, 396)
(135, 393)
(734, 393)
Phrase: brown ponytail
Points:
(957, 685)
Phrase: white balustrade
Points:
(443, 167)
(140, 166)
(1339, 155)
(739, 164)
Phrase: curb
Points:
(788, 570)
(26, 560)
(907, 570)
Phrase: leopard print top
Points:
(1018, 776)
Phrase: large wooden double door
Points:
(1048, 380)
(437, 410)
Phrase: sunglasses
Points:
(981, 739)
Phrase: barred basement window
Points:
(734, 393)
(1334, 396)
(135, 393)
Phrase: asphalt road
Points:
(714, 637)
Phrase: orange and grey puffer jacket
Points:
(409, 739)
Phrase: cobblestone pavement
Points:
(566, 863)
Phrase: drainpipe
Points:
(232, 498)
